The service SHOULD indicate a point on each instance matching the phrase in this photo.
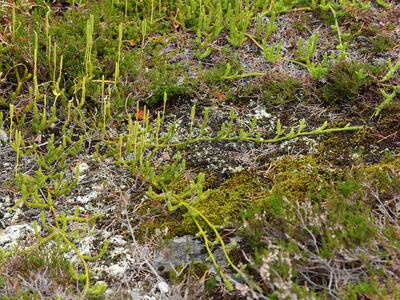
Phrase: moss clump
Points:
(225, 203)
(333, 204)
(222, 205)
(342, 150)
(345, 81)
(381, 43)
(389, 122)
(155, 217)
(281, 91)
(294, 178)
(383, 176)
(296, 181)
(274, 89)
(376, 41)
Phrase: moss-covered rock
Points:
(222, 205)
(225, 203)
(295, 177)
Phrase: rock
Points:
(117, 251)
(87, 198)
(83, 168)
(3, 136)
(117, 240)
(163, 287)
(85, 245)
(5, 201)
(184, 249)
(12, 234)
(117, 293)
(3, 224)
(117, 271)
(261, 114)
(165, 156)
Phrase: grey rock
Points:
(12, 234)
(182, 250)
(3, 136)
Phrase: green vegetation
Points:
(273, 143)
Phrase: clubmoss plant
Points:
(304, 53)
(20, 81)
(387, 100)
(32, 196)
(384, 4)
(12, 109)
(272, 53)
(239, 21)
(16, 145)
(392, 70)
(342, 46)
(104, 94)
(13, 21)
(35, 61)
(318, 70)
(89, 47)
(177, 201)
(270, 26)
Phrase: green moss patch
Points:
(221, 206)
(227, 202)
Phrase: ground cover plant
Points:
(202, 149)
